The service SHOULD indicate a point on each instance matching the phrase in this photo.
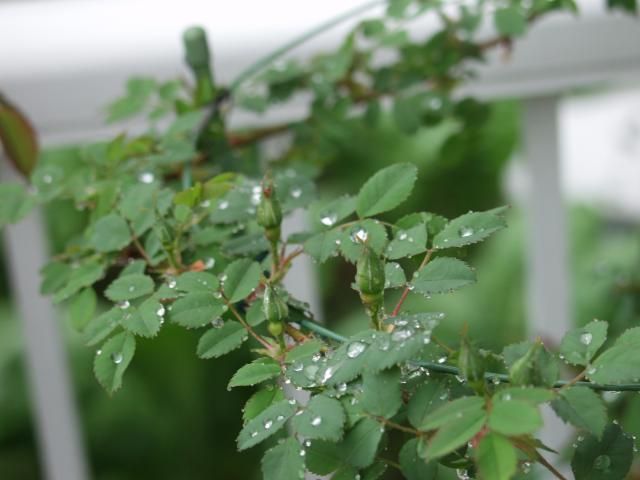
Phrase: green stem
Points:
(287, 47)
(491, 376)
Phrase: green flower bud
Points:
(275, 328)
(370, 276)
(269, 213)
(274, 307)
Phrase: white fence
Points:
(63, 60)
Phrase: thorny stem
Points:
(490, 376)
(407, 289)
(236, 314)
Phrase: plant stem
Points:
(543, 461)
(396, 426)
(406, 291)
(449, 370)
(287, 47)
(236, 314)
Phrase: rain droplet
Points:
(99, 352)
(297, 367)
(132, 288)
(146, 177)
(465, 232)
(441, 360)
(160, 311)
(296, 192)
(316, 421)
(116, 358)
(342, 388)
(217, 323)
(329, 219)
(268, 424)
(402, 235)
(47, 178)
(586, 338)
(303, 452)
(172, 283)
(209, 263)
(355, 349)
(223, 205)
(360, 236)
(326, 375)
(402, 334)
(280, 418)
(124, 304)
(254, 434)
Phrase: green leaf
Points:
(54, 276)
(101, 326)
(407, 243)
(110, 234)
(371, 231)
(428, 397)
(196, 310)
(80, 277)
(510, 21)
(583, 408)
(240, 279)
(323, 457)
(323, 418)
(386, 189)
(325, 215)
(136, 267)
(255, 314)
(82, 308)
(112, 360)
(606, 459)
(467, 229)
(414, 467)
(629, 6)
(15, 203)
(138, 206)
(360, 444)
(192, 282)
(220, 341)
(621, 362)
(580, 345)
(265, 424)
(443, 275)
(464, 407)
(304, 350)
(514, 417)
(283, 462)
(456, 433)
(496, 457)
(394, 275)
(381, 394)
(144, 320)
(255, 372)
(260, 400)
(129, 287)
(323, 245)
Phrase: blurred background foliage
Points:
(175, 418)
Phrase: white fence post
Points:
(548, 279)
(55, 420)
